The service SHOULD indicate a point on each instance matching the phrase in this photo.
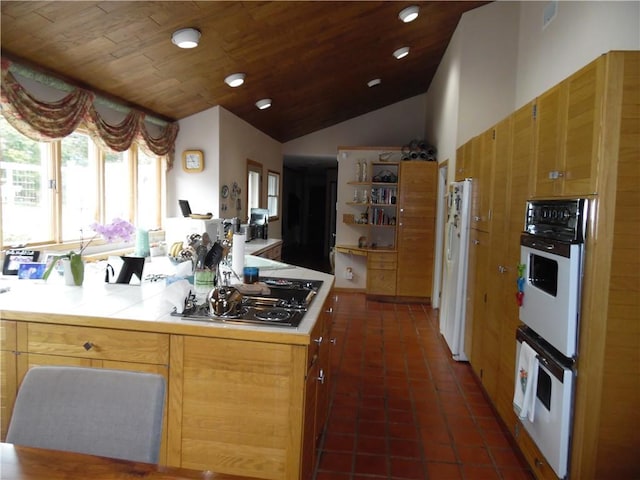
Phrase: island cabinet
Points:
(45, 344)
(247, 407)
(244, 400)
(8, 380)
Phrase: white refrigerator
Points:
(454, 292)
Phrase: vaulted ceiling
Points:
(313, 58)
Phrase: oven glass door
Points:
(551, 296)
(551, 427)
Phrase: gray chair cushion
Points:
(111, 413)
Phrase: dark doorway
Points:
(308, 226)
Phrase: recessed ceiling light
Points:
(409, 14)
(235, 79)
(374, 82)
(264, 103)
(186, 37)
(401, 52)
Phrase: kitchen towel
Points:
(237, 253)
(524, 396)
(177, 294)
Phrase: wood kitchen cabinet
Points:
(44, 344)
(250, 408)
(416, 228)
(8, 379)
(464, 157)
(483, 157)
(317, 389)
(381, 273)
(567, 126)
(585, 131)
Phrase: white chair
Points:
(110, 413)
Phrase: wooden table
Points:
(27, 463)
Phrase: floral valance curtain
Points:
(48, 121)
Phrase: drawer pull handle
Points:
(318, 340)
(539, 463)
(321, 376)
(88, 346)
(334, 341)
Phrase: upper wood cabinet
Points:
(567, 126)
(482, 174)
(416, 228)
(464, 155)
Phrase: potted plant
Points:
(72, 261)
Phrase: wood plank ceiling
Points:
(312, 58)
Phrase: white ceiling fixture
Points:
(186, 37)
(401, 52)
(235, 79)
(264, 103)
(409, 14)
(374, 82)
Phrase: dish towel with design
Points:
(524, 396)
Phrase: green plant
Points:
(75, 262)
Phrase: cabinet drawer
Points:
(97, 343)
(382, 261)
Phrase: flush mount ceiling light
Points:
(409, 14)
(186, 37)
(235, 79)
(374, 82)
(401, 52)
(264, 103)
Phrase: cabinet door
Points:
(549, 128)
(416, 228)
(463, 162)
(479, 253)
(517, 194)
(484, 154)
(584, 106)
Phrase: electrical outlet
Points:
(348, 273)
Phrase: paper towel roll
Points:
(237, 253)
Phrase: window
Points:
(254, 184)
(273, 194)
(93, 186)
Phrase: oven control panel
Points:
(557, 219)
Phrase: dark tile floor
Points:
(401, 408)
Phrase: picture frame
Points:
(192, 161)
(14, 257)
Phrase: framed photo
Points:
(192, 161)
(13, 258)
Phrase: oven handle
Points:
(554, 247)
(549, 361)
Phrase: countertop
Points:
(145, 307)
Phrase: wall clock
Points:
(192, 161)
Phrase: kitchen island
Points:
(241, 399)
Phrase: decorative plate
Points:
(224, 192)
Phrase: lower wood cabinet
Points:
(381, 273)
(233, 406)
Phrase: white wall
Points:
(239, 142)
(580, 32)
(197, 132)
(394, 125)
